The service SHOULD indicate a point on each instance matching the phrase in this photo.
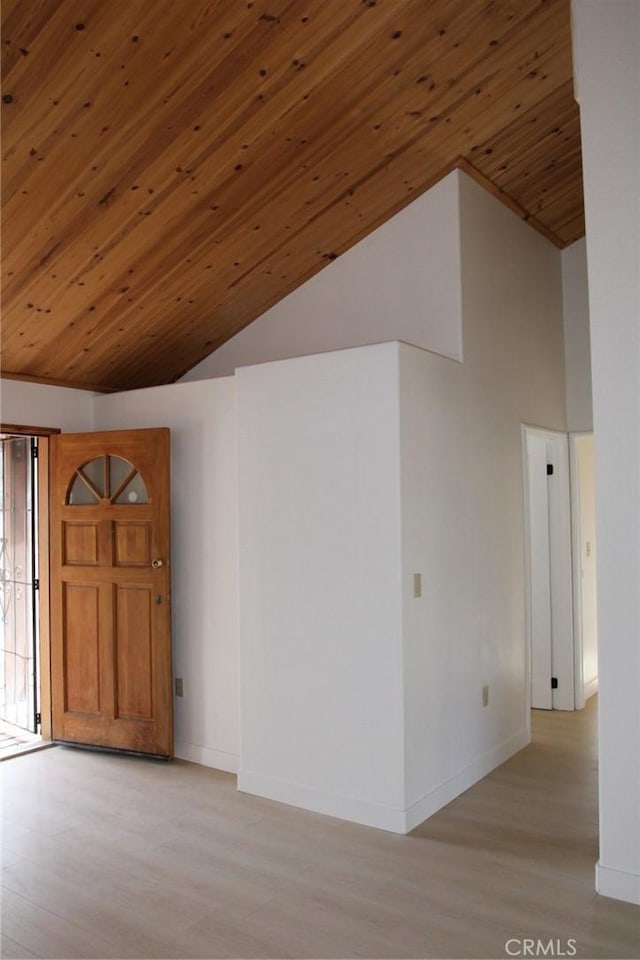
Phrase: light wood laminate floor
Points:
(107, 856)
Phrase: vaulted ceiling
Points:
(172, 168)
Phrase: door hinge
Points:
(549, 469)
(554, 683)
(34, 451)
(36, 584)
(38, 719)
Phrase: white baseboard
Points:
(617, 884)
(394, 819)
(207, 756)
(590, 688)
(345, 808)
(446, 792)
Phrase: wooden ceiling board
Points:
(572, 229)
(377, 192)
(540, 162)
(537, 132)
(171, 170)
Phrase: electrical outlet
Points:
(179, 687)
(417, 585)
(485, 696)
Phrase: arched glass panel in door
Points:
(106, 478)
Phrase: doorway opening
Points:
(549, 569)
(19, 622)
(104, 516)
(25, 680)
(585, 593)
(559, 497)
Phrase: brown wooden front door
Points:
(111, 668)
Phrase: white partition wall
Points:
(320, 607)
(382, 546)
(402, 282)
(577, 348)
(607, 65)
(464, 639)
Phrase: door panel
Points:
(132, 543)
(110, 605)
(79, 544)
(133, 655)
(562, 650)
(549, 563)
(540, 585)
(81, 625)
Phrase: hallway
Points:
(107, 856)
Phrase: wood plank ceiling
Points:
(172, 168)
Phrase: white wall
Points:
(39, 405)
(607, 59)
(320, 612)
(204, 553)
(462, 503)
(402, 282)
(358, 469)
(577, 346)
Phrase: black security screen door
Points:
(18, 566)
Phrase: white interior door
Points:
(550, 588)
(560, 572)
(539, 573)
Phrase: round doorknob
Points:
(156, 563)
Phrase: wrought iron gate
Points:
(18, 583)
